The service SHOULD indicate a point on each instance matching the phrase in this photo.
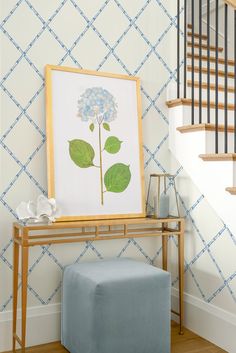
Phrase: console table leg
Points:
(181, 275)
(164, 249)
(15, 285)
(25, 255)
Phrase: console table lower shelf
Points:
(26, 236)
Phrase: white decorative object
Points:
(43, 210)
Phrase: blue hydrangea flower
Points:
(97, 104)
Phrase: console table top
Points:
(94, 223)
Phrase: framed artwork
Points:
(94, 144)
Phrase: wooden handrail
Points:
(231, 3)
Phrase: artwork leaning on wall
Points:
(95, 161)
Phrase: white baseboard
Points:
(43, 323)
(208, 321)
(43, 326)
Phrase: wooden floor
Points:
(187, 343)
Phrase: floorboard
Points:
(187, 343)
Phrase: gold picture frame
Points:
(93, 119)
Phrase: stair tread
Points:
(188, 101)
(231, 190)
(218, 157)
(231, 3)
(204, 127)
(212, 71)
(204, 46)
(212, 86)
(197, 35)
(212, 59)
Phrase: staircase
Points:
(202, 115)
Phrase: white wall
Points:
(23, 131)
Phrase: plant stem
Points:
(100, 153)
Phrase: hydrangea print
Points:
(98, 106)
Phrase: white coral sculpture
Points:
(43, 210)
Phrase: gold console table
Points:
(25, 236)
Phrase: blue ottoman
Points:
(115, 306)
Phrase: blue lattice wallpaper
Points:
(130, 37)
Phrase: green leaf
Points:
(106, 126)
(117, 177)
(81, 153)
(91, 126)
(112, 144)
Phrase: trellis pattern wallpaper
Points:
(129, 37)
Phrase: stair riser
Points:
(221, 79)
(212, 65)
(172, 94)
(204, 52)
(221, 95)
(187, 115)
(210, 142)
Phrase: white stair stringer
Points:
(210, 177)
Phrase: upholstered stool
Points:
(115, 306)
